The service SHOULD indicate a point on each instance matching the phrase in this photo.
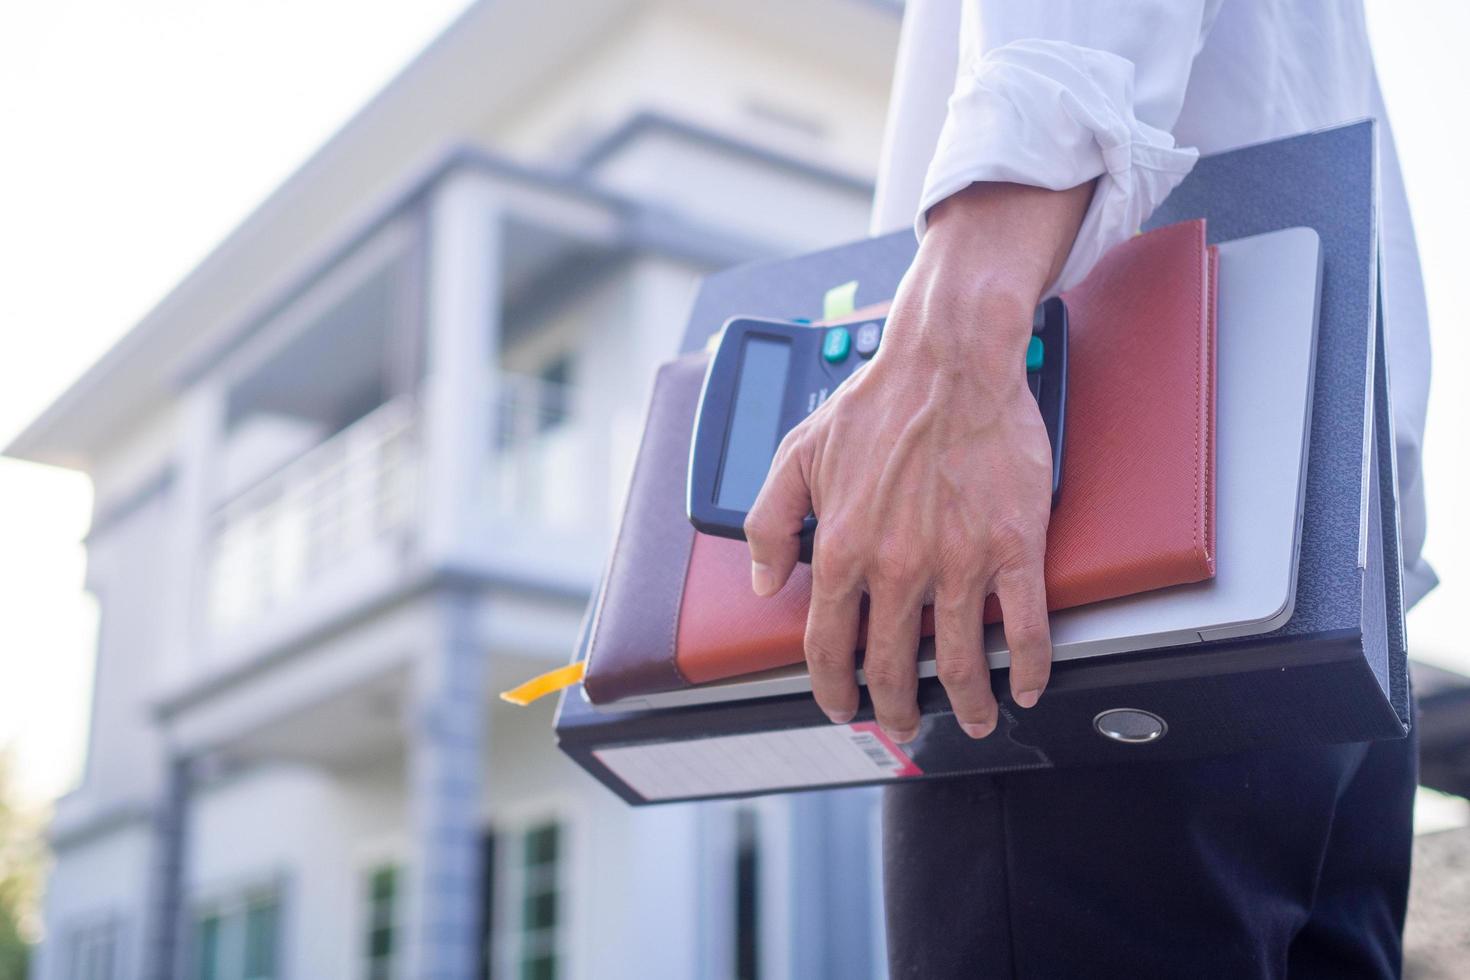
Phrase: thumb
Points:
(773, 525)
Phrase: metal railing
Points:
(321, 512)
(540, 467)
(314, 516)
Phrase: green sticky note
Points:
(840, 301)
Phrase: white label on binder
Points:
(826, 755)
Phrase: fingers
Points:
(959, 641)
(1022, 594)
(831, 642)
(889, 663)
(773, 524)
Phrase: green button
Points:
(836, 345)
(1035, 354)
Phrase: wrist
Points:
(1022, 235)
(975, 313)
(967, 337)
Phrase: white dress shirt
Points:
(1131, 92)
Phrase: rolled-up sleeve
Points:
(1056, 94)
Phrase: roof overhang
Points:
(498, 50)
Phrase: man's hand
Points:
(930, 473)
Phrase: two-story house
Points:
(358, 471)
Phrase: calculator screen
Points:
(755, 422)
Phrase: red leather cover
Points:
(1136, 510)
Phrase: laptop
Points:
(1266, 326)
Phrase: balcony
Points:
(538, 469)
(337, 522)
(343, 504)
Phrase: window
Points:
(92, 952)
(260, 939)
(526, 921)
(539, 919)
(209, 947)
(238, 939)
(555, 392)
(381, 944)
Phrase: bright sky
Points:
(139, 134)
(136, 135)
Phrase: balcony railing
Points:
(313, 517)
(541, 469)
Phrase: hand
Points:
(930, 473)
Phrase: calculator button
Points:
(866, 337)
(836, 344)
(1035, 354)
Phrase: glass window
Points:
(207, 946)
(92, 952)
(556, 379)
(540, 904)
(524, 880)
(382, 939)
(261, 930)
(238, 938)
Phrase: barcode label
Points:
(875, 750)
(760, 762)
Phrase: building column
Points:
(462, 317)
(200, 439)
(164, 913)
(445, 759)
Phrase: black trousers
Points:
(1265, 864)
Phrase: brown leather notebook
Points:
(1135, 511)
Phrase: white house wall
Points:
(125, 565)
(632, 876)
(294, 828)
(93, 881)
(716, 67)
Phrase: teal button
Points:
(1035, 354)
(836, 344)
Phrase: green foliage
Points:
(21, 855)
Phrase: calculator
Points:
(768, 375)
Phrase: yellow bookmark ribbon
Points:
(548, 683)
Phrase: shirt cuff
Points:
(1055, 115)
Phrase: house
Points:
(358, 471)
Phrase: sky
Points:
(138, 135)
